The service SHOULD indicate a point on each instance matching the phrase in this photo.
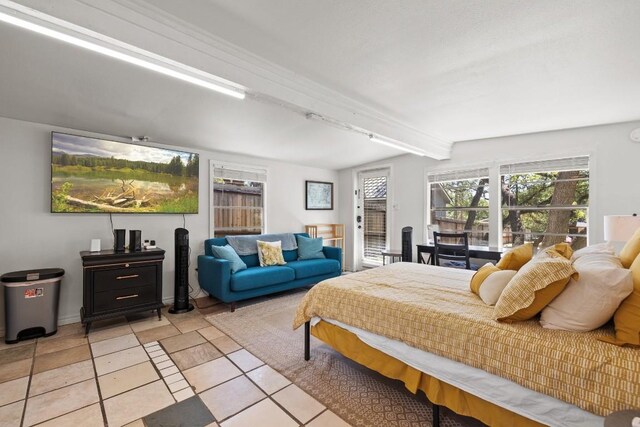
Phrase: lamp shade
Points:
(620, 228)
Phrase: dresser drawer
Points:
(123, 278)
(122, 298)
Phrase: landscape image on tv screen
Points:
(97, 176)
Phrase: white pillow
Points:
(589, 302)
(599, 248)
(494, 284)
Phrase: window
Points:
(238, 200)
(460, 202)
(545, 202)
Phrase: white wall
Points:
(32, 237)
(613, 169)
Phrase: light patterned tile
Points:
(169, 371)
(126, 379)
(193, 356)
(61, 377)
(14, 354)
(231, 397)
(63, 343)
(108, 333)
(226, 344)
(120, 360)
(10, 415)
(211, 333)
(180, 342)
(137, 403)
(112, 345)
(191, 324)
(178, 385)
(264, 414)
(61, 358)
(328, 419)
(173, 378)
(164, 365)
(59, 402)
(183, 394)
(158, 333)
(150, 322)
(14, 390)
(298, 403)
(14, 370)
(245, 360)
(268, 379)
(89, 416)
(136, 423)
(211, 373)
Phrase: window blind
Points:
(458, 175)
(240, 173)
(556, 165)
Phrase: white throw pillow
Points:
(494, 284)
(599, 248)
(589, 302)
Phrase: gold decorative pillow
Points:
(535, 285)
(516, 257)
(627, 316)
(270, 253)
(481, 275)
(631, 250)
(563, 249)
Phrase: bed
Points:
(421, 324)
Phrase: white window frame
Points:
(495, 203)
(254, 169)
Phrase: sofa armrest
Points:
(214, 275)
(333, 252)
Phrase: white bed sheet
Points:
(497, 390)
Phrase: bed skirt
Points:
(438, 392)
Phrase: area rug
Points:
(357, 394)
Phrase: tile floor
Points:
(139, 371)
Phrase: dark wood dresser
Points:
(118, 283)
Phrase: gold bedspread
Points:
(432, 308)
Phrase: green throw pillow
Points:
(228, 253)
(309, 248)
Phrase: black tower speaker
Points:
(135, 240)
(407, 236)
(181, 290)
(119, 236)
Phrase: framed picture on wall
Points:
(318, 195)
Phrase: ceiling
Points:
(456, 69)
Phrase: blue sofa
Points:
(215, 276)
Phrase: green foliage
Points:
(59, 198)
(187, 204)
(174, 167)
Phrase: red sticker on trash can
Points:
(34, 293)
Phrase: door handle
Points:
(128, 296)
(131, 276)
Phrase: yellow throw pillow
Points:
(535, 285)
(516, 257)
(631, 250)
(480, 276)
(627, 316)
(563, 249)
(270, 253)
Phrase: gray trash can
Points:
(31, 303)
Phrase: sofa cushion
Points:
(314, 267)
(259, 277)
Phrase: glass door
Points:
(372, 216)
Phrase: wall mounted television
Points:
(91, 175)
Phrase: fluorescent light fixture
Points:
(380, 140)
(87, 39)
(398, 145)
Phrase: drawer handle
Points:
(128, 296)
(131, 276)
